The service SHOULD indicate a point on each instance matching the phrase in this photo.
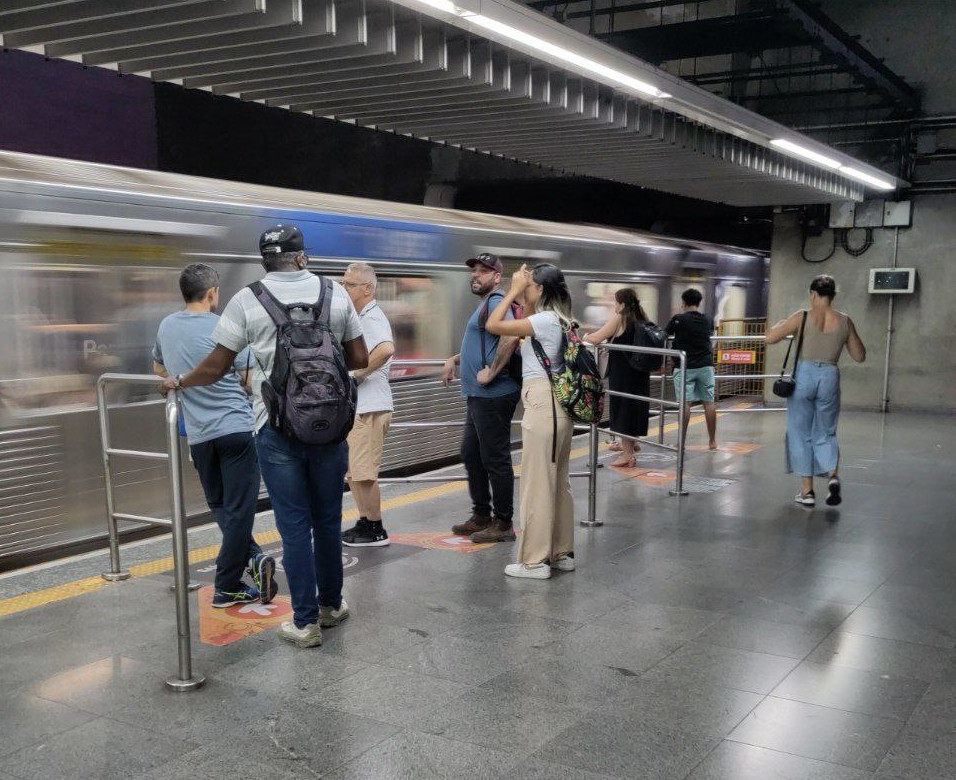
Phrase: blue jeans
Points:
(812, 414)
(229, 475)
(305, 483)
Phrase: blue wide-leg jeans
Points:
(305, 483)
(812, 414)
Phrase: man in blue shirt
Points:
(219, 426)
(486, 442)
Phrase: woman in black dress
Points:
(628, 417)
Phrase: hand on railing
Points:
(448, 372)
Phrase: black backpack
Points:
(513, 368)
(309, 395)
(647, 334)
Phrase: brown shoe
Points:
(498, 531)
(474, 524)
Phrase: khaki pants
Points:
(547, 507)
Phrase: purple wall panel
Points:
(62, 109)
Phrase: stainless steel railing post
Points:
(681, 414)
(116, 572)
(186, 679)
(591, 521)
(662, 416)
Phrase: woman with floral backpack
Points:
(547, 507)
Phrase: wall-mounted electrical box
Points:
(892, 281)
(847, 214)
(898, 214)
(869, 214)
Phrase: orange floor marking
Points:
(225, 626)
(440, 541)
(730, 447)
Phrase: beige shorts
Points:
(366, 442)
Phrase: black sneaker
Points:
(262, 567)
(365, 533)
(834, 496)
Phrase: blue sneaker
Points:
(262, 567)
(246, 595)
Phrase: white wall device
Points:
(892, 281)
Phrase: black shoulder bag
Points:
(785, 385)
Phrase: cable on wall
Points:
(856, 251)
(803, 249)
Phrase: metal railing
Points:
(433, 362)
(663, 405)
(760, 339)
(186, 679)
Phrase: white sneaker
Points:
(805, 499)
(539, 571)
(563, 562)
(329, 617)
(310, 636)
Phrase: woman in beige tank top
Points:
(814, 408)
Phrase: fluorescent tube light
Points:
(446, 6)
(579, 61)
(879, 184)
(806, 154)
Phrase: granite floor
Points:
(725, 635)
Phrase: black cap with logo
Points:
(281, 238)
(488, 260)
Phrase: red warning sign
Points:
(225, 626)
(737, 356)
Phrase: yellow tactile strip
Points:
(39, 598)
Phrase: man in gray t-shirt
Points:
(219, 432)
(305, 481)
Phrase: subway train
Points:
(90, 256)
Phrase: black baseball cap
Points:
(488, 260)
(281, 238)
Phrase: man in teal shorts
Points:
(692, 330)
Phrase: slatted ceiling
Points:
(381, 65)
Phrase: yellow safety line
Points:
(39, 598)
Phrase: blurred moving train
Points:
(90, 257)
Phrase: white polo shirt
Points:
(374, 393)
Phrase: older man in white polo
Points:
(374, 412)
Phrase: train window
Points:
(600, 301)
(67, 324)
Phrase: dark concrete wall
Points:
(62, 109)
(922, 357)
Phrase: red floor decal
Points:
(442, 541)
(225, 626)
(730, 447)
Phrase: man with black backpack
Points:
(486, 442)
(305, 336)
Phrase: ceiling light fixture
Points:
(560, 53)
(873, 181)
(806, 154)
(446, 6)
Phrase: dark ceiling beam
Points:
(645, 6)
(754, 31)
(809, 93)
(762, 74)
(831, 37)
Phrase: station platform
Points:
(727, 634)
